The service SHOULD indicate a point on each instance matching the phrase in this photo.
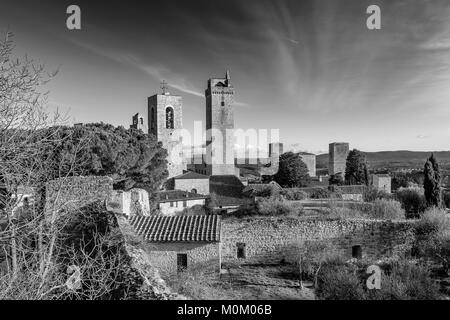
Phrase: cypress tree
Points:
(356, 170)
(432, 182)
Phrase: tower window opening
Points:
(169, 118)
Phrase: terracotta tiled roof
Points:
(177, 228)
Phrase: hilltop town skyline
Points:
(312, 70)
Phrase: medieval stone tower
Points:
(138, 122)
(337, 158)
(220, 127)
(165, 118)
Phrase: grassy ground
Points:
(245, 282)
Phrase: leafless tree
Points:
(31, 229)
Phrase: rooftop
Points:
(175, 195)
(177, 228)
(191, 175)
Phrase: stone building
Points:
(165, 120)
(269, 240)
(174, 201)
(337, 155)
(310, 160)
(192, 182)
(138, 122)
(180, 243)
(382, 182)
(220, 127)
(275, 148)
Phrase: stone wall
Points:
(337, 157)
(177, 206)
(164, 255)
(76, 192)
(201, 185)
(271, 240)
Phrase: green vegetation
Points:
(432, 182)
(276, 206)
(378, 209)
(412, 201)
(294, 194)
(132, 158)
(292, 171)
(400, 280)
(356, 170)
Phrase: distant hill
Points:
(402, 158)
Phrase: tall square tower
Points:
(220, 127)
(165, 119)
(337, 158)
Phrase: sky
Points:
(310, 68)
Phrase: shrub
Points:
(387, 209)
(400, 280)
(405, 280)
(371, 194)
(379, 209)
(276, 207)
(433, 237)
(320, 193)
(245, 211)
(339, 281)
(293, 194)
(264, 193)
(434, 221)
(412, 201)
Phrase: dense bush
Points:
(412, 201)
(371, 194)
(433, 237)
(405, 280)
(320, 193)
(433, 221)
(379, 209)
(276, 207)
(293, 194)
(400, 280)
(339, 282)
(387, 209)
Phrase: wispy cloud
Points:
(158, 72)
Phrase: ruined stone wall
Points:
(271, 240)
(164, 255)
(76, 192)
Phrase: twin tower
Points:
(165, 119)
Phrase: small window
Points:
(357, 252)
(169, 118)
(181, 262)
(184, 204)
(241, 250)
(171, 203)
(222, 103)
